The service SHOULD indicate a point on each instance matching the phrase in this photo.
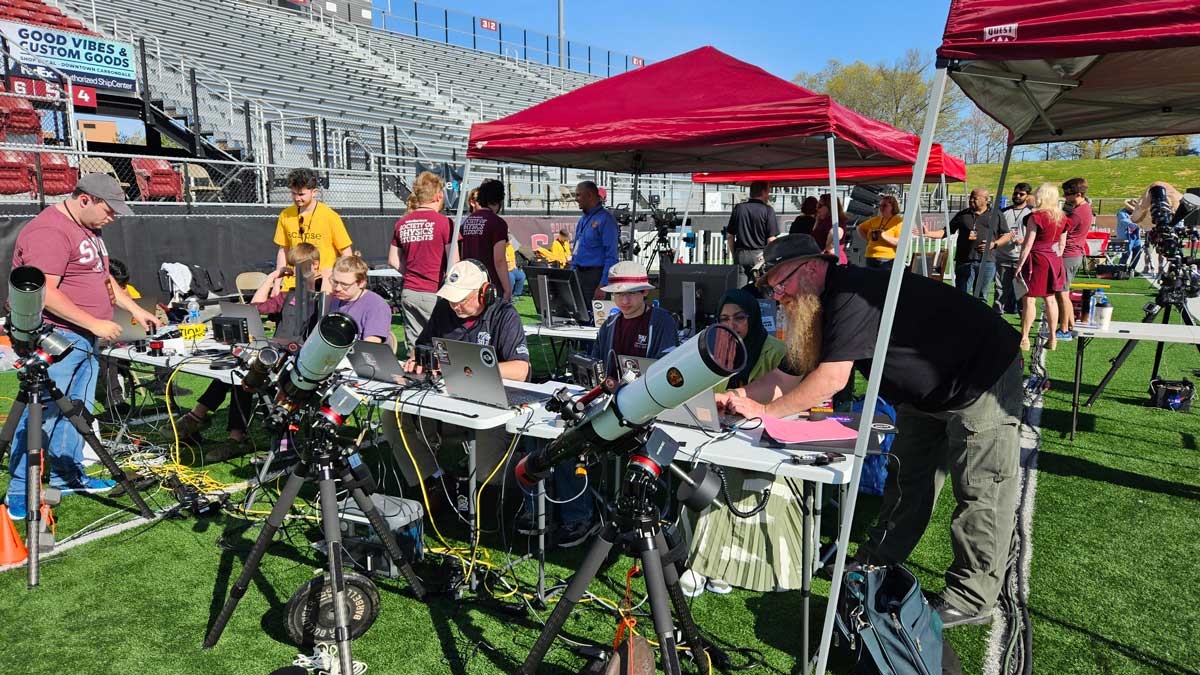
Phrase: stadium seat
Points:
(16, 177)
(98, 165)
(157, 180)
(18, 116)
(58, 176)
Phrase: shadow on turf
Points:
(1156, 663)
(1067, 465)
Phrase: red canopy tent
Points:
(1058, 70)
(701, 110)
(941, 165)
(1048, 70)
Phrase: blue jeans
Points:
(516, 279)
(76, 376)
(964, 277)
(1131, 256)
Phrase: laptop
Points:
(699, 412)
(472, 372)
(376, 361)
(254, 324)
(601, 309)
(131, 331)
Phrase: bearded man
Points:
(953, 371)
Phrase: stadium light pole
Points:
(562, 35)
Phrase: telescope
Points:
(608, 416)
(319, 356)
(29, 333)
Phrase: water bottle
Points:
(193, 310)
(1101, 298)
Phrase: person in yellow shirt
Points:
(516, 275)
(309, 221)
(882, 234)
(559, 253)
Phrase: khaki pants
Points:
(417, 307)
(979, 448)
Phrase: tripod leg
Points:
(1120, 359)
(33, 490)
(337, 584)
(687, 623)
(9, 431)
(576, 587)
(389, 541)
(274, 522)
(79, 417)
(660, 609)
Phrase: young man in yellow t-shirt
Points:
(309, 221)
(883, 234)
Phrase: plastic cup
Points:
(1103, 316)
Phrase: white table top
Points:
(436, 405)
(737, 450)
(193, 365)
(1130, 330)
(565, 332)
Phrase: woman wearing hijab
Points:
(761, 553)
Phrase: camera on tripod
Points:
(1171, 234)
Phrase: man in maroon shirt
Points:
(1080, 218)
(484, 235)
(64, 241)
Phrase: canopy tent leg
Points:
(911, 211)
(452, 247)
(945, 241)
(632, 215)
(834, 212)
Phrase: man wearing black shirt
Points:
(980, 231)
(752, 226)
(465, 313)
(954, 373)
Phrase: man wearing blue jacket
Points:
(596, 238)
(639, 329)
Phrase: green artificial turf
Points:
(1112, 589)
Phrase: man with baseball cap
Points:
(638, 329)
(470, 309)
(953, 371)
(64, 241)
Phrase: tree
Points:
(1166, 146)
(895, 93)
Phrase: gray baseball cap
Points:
(104, 186)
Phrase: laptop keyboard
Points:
(518, 396)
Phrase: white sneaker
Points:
(691, 584)
(718, 586)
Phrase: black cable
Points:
(762, 504)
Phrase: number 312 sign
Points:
(489, 24)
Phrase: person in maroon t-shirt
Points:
(484, 235)
(64, 241)
(638, 329)
(1074, 247)
(418, 251)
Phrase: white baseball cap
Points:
(465, 278)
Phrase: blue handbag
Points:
(887, 623)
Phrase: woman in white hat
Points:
(639, 329)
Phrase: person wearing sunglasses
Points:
(726, 550)
(953, 370)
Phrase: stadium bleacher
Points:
(357, 78)
(41, 14)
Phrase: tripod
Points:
(34, 379)
(328, 466)
(637, 528)
(1160, 305)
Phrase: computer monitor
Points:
(558, 296)
(691, 292)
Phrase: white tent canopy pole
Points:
(452, 247)
(835, 230)
(945, 242)
(911, 213)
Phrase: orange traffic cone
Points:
(12, 549)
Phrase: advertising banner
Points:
(89, 60)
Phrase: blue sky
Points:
(782, 36)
